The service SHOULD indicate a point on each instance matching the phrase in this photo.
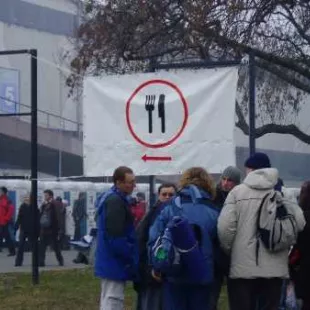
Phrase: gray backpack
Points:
(276, 227)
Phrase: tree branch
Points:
(226, 42)
(291, 129)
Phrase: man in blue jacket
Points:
(117, 250)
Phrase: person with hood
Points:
(6, 218)
(256, 273)
(148, 288)
(187, 286)
(117, 249)
(230, 178)
(302, 275)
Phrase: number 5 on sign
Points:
(8, 98)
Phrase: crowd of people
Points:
(199, 236)
(50, 227)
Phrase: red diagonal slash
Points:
(156, 158)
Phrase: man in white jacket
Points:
(250, 278)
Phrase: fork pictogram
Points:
(149, 107)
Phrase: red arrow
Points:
(156, 158)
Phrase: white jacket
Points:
(237, 228)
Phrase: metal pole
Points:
(34, 164)
(252, 76)
(152, 190)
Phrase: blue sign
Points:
(9, 91)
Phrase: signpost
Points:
(160, 123)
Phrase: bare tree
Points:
(119, 36)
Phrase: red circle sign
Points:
(178, 134)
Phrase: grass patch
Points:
(70, 289)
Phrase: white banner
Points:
(160, 123)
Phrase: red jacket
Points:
(138, 211)
(6, 210)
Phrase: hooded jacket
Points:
(117, 253)
(195, 206)
(237, 228)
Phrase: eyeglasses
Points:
(167, 194)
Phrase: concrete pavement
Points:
(7, 263)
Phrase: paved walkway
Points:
(7, 263)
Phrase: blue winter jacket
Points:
(116, 257)
(195, 205)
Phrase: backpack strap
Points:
(258, 225)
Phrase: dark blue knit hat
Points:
(258, 161)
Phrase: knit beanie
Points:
(258, 161)
(232, 173)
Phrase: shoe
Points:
(61, 263)
(18, 265)
(11, 254)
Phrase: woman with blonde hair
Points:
(183, 236)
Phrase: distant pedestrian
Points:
(257, 267)
(49, 228)
(79, 214)
(61, 217)
(117, 250)
(138, 209)
(149, 289)
(6, 219)
(24, 224)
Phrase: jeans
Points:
(186, 296)
(5, 234)
(245, 294)
(112, 295)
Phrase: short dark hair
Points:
(120, 173)
(4, 189)
(49, 192)
(166, 185)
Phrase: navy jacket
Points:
(117, 249)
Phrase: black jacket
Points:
(220, 197)
(55, 227)
(143, 228)
(24, 220)
(302, 276)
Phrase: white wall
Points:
(67, 6)
(52, 92)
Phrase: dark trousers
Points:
(5, 234)
(245, 294)
(150, 298)
(45, 241)
(186, 297)
(23, 236)
(216, 289)
(77, 231)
